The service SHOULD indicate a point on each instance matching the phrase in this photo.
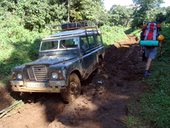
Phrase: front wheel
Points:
(73, 89)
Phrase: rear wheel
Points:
(73, 89)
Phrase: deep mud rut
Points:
(103, 103)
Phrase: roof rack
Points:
(73, 26)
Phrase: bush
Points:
(113, 34)
(18, 45)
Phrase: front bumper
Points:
(50, 87)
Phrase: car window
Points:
(98, 39)
(91, 41)
(69, 43)
(84, 43)
(47, 45)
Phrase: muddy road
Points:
(103, 103)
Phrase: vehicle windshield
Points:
(60, 44)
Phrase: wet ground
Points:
(103, 103)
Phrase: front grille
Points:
(38, 73)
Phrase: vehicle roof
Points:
(72, 33)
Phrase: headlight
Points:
(19, 76)
(54, 75)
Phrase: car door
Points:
(87, 46)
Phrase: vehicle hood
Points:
(50, 60)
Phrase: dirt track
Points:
(103, 103)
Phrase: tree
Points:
(160, 17)
(87, 10)
(167, 15)
(148, 4)
(145, 10)
(37, 14)
(120, 15)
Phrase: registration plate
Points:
(36, 85)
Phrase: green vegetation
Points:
(113, 34)
(146, 10)
(121, 15)
(18, 45)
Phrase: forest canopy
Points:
(36, 15)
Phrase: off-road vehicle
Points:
(65, 59)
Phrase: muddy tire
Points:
(73, 89)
